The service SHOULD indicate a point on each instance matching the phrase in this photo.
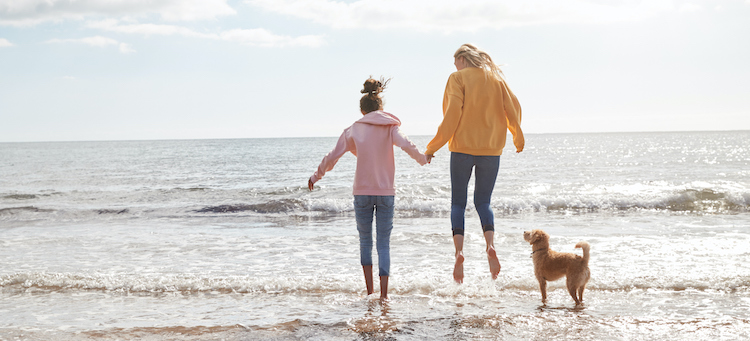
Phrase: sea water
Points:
(221, 239)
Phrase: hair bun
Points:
(372, 86)
(371, 100)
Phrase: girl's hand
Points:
(310, 184)
(429, 157)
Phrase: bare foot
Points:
(494, 262)
(458, 269)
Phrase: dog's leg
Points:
(572, 291)
(584, 280)
(543, 289)
(572, 283)
(580, 292)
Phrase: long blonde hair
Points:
(478, 58)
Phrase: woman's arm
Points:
(453, 102)
(513, 115)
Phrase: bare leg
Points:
(489, 237)
(383, 288)
(458, 268)
(368, 278)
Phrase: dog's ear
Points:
(534, 236)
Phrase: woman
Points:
(478, 109)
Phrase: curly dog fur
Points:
(551, 265)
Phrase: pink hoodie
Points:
(371, 140)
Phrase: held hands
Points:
(429, 157)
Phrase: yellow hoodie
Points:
(478, 109)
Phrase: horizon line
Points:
(304, 137)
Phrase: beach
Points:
(221, 239)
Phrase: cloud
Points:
(264, 38)
(126, 48)
(688, 7)
(5, 43)
(96, 41)
(32, 12)
(114, 25)
(112, 13)
(465, 15)
(254, 37)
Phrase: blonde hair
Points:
(372, 100)
(478, 58)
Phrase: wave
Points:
(16, 211)
(683, 200)
(273, 206)
(705, 200)
(157, 284)
(115, 211)
(27, 196)
(188, 284)
(191, 189)
(20, 196)
(23, 209)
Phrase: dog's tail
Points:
(585, 246)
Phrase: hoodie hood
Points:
(381, 118)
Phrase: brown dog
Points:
(550, 265)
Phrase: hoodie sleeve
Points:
(342, 146)
(400, 140)
(513, 116)
(453, 102)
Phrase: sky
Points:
(80, 70)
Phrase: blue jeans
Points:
(484, 182)
(382, 205)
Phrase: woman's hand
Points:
(310, 184)
(429, 157)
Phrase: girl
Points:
(371, 140)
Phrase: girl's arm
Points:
(403, 142)
(342, 146)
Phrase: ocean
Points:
(222, 240)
